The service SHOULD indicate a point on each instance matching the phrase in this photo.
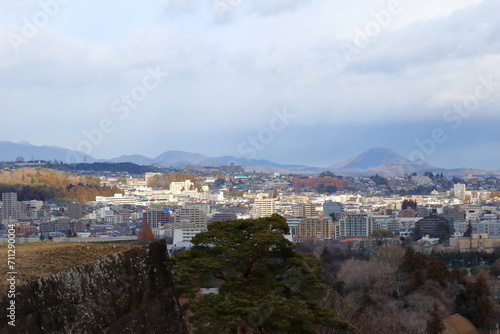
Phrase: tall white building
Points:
(459, 191)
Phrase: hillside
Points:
(44, 184)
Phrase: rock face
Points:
(129, 292)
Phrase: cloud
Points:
(225, 79)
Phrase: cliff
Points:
(127, 292)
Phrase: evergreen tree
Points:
(437, 271)
(479, 305)
(435, 324)
(264, 286)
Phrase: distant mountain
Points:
(135, 158)
(386, 162)
(374, 158)
(177, 158)
(382, 161)
(257, 163)
(10, 151)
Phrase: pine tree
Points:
(435, 324)
(437, 271)
(264, 286)
(478, 302)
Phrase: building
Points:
(223, 216)
(315, 182)
(75, 210)
(190, 218)
(264, 207)
(11, 208)
(309, 210)
(158, 218)
(454, 214)
(320, 228)
(477, 242)
(434, 226)
(117, 199)
(204, 207)
(330, 207)
(385, 223)
(459, 191)
(186, 234)
(490, 227)
(354, 226)
(181, 186)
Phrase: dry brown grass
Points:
(41, 259)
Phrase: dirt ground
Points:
(41, 259)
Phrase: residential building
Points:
(330, 207)
(11, 208)
(74, 210)
(186, 234)
(320, 228)
(459, 191)
(264, 207)
(309, 210)
(354, 226)
(190, 218)
(158, 218)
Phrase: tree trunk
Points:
(242, 330)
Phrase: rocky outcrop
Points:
(129, 292)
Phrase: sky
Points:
(308, 82)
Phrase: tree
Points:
(437, 271)
(145, 232)
(409, 203)
(479, 305)
(468, 232)
(264, 286)
(219, 182)
(435, 324)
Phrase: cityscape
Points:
(250, 167)
(454, 218)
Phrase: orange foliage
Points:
(145, 232)
(43, 183)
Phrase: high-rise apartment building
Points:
(158, 218)
(320, 228)
(459, 191)
(264, 207)
(354, 226)
(190, 218)
(74, 210)
(11, 208)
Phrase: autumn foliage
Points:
(46, 184)
(145, 232)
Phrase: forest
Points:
(47, 184)
(395, 289)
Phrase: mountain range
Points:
(382, 161)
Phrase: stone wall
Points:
(129, 292)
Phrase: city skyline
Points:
(303, 82)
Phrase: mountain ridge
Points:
(378, 160)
